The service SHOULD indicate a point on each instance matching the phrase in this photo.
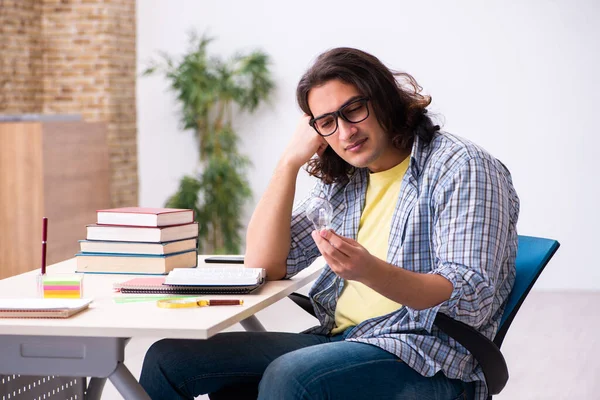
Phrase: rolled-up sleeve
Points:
(471, 230)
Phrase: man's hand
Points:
(305, 143)
(346, 257)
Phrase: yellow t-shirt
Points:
(359, 302)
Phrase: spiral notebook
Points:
(42, 308)
(186, 282)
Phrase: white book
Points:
(144, 216)
(142, 233)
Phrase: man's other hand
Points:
(346, 257)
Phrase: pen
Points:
(40, 277)
(44, 241)
(188, 303)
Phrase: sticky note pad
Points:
(63, 286)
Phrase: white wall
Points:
(520, 79)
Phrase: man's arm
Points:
(419, 291)
(269, 231)
(268, 237)
(475, 238)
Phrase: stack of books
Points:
(135, 240)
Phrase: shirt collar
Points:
(419, 155)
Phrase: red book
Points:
(140, 216)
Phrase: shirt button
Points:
(416, 318)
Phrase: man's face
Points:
(362, 144)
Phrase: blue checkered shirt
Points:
(456, 217)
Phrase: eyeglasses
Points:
(354, 112)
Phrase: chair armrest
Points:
(486, 353)
(303, 302)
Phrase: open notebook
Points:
(192, 281)
(41, 308)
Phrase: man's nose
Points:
(346, 129)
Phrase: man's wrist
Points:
(380, 275)
(289, 165)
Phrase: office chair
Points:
(532, 257)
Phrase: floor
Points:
(552, 349)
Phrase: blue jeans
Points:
(281, 366)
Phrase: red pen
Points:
(40, 277)
(44, 241)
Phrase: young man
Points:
(424, 222)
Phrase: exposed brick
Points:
(75, 56)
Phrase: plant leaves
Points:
(205, 88)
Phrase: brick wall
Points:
(20, 56)
(75, 56)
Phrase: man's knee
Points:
(160, 349)
(155, 354)
(168, 356)
(283, 379)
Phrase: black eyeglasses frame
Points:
(338, 114)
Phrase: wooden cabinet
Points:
(59, 170)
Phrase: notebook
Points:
(41, 308)
(215, 276)
(196, 281)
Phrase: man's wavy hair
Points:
(395, 99)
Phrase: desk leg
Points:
(127, 385)
(94, 389)
(252, 324)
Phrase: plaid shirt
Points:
(456, 217)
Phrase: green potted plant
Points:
(209, 91)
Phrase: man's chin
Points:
(357, 162)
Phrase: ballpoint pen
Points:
(40, 277)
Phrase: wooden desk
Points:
(92, 343)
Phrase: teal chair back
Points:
(532, 257)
